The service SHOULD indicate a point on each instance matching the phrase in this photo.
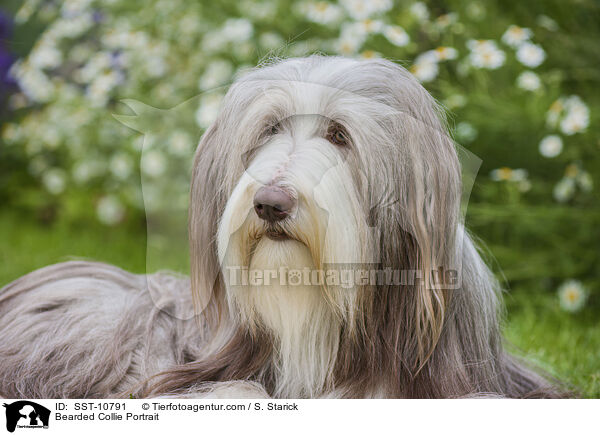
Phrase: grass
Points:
(567, 345)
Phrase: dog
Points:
(315, 169)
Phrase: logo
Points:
(26, 414)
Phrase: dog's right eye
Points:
(274, 129)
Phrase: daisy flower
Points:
(529, 81)
(217, 73)
(237, 30)
(425, 68)
(419, 11)
(515, 36)
(445, 53)
(584, 180)
(322, 12)
(508, 174)
(570, 114)
(530, 55)
(371, 26)
(577, 116)
(352, 37)
(369, 54)
(445, 20)
(465, 132)
(396, 35)
(572, 295)
(551, 146)
(564, 190)
(54, 181)
(485, 54)
(357, 9)
(554, 112)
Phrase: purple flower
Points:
(6, 26)
(6, 59)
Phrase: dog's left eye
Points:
(337, 135)
(274, 129)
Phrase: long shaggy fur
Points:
(391, 198)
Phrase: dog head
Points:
(315, 163)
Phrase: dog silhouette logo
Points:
(26, 414)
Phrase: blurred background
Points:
(520, 82)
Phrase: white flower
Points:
(524, 185)
(584, 179)
(476, 10)
(121, 166)
(455, 101)
(208, 110)
(237, 30)
(352, 37)
(529, 81)
(547, 22)
(45, 56)
(530, 55)
(213, 42)
(564, 190)
(72, 8)
(109, 210)
(85, 170)
(419, 11)
(33, 82)
(551, 146)
(12, 133)
(322, 12)
(370, 26)
(519, 175)
(261, 10)
(370, 54)
(72, 27)
(445, 20)
(465, 132)
(361, 9)
(485, 54)
(153, 163)
(571, 114)
(515, 35)
(99, 90)
(380, 6)
(572, 295)
(100, 62)
(217, 73)
(425, 68)
(508, 174)
(445, 53)
(54, 181)
(396, 35)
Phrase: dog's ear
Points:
(207, 201)
(430, 207)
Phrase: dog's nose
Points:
(272, 203)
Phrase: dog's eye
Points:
(337, 135)
(274, 129)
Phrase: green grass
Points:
(567, 345)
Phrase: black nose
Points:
(272, 203)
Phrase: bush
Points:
(519, 80)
